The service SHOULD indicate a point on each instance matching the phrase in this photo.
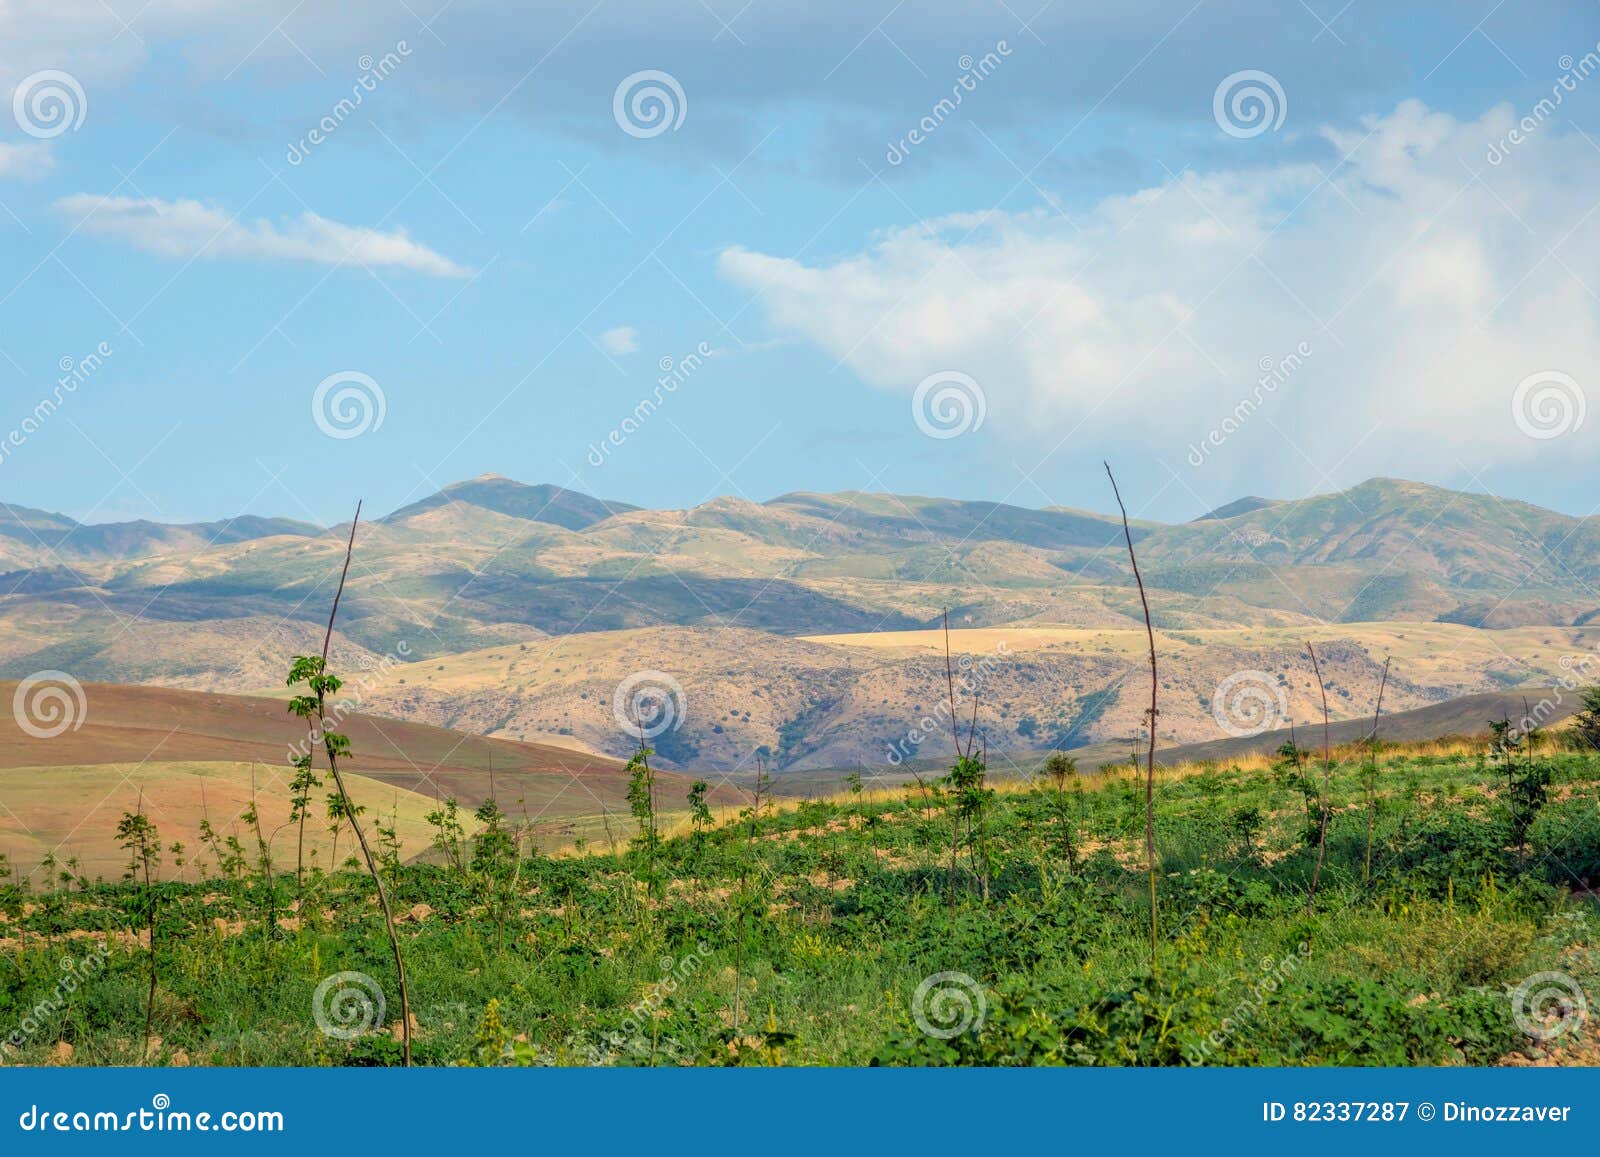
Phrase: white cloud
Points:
(1416, 271)
(268, 49)
(25, 161)
(80, 36)
(189, 229)
(624, 339)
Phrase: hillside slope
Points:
(791, 619)
(166, 743)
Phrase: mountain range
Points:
(805, 625)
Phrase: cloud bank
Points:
(1425, 281)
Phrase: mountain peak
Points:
(544, 502)
(1400, 487)
(1237, 507)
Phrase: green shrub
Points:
(1443, 948)
(1567, 836)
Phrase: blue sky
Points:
(1087, 247)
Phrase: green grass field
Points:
(837, 932)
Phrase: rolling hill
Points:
(1465, 541)
(509, 609)
(191, 756)
(1467, 716)
(853, 699)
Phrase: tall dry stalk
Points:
(1372, 772)
(965, 782)
(745, 857)
(1151, 714)
(955, 738)
(320, 725)
(1327, 772)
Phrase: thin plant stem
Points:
(1152, 713)
(1372, 782)
(1327, 772)
(350, 812)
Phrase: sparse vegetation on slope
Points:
(802, 934)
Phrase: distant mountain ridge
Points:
(1470, 540)
(1351, 526)
(44, 530)
(493, 560)
(1383, 542)
(726, 592)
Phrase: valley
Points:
(798, 814)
